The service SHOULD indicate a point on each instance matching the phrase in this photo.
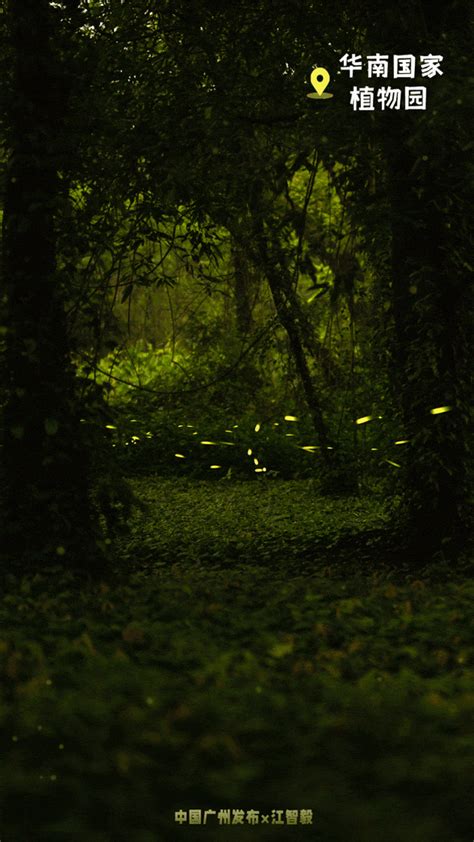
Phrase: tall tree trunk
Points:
(47, 510)
(279, 283)
(432, 306)
(428, 162)
(288, 320)
(243, 287)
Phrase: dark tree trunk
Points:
(243, 288)
(328, 367)
(47, 511)
(428, 160)
(293, 329)
(432, 307)
(279, 284)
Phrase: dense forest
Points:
(236, 461)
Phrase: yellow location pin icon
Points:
(320, 79)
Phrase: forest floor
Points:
(258, 651)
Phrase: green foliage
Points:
(238, 685)
(163, 444)
(162, 406)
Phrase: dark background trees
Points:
(156, 152)
(44, 460)
(235, 386)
